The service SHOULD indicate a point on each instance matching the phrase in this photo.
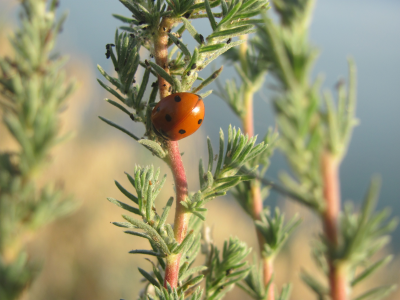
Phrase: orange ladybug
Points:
(178, 116)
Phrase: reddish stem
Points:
(338, 281)
(161, 53)
(330, 173)
(248, 121)
(268, 265)
(257, 203)
(181, 214)
(174, 157)
(337, 273)
(172, 271)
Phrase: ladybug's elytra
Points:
(178, 115)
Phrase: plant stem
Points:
(337, 272)
(174, 158)
(182, 216)
(338, 281)
(248, 121)
(257, 203)
(330, 173)
(161, 53)
(268, 264)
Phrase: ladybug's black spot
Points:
(200, 120)
(177, 99)
(168, 118)
(182, 131)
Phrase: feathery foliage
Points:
(33, 90)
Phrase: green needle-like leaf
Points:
(165, 213)
(119, 128)
(154, 147)
(149, 277)
(126, 193)
(124, 206)
(150, 231)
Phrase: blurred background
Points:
(86, 257)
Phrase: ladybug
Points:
(178, 116)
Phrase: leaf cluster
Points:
(240, 150)
(254, 285)
(274, 231)
(172, 294)
(126, 62)
(307, 126)
(364, 233)
(33, 90)
(160, 234)
(256, 169)
(251, 69)
(224, 272)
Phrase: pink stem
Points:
(337, 273)
(174, 157)
(268, 273)
(257, 203)
(181, 215)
